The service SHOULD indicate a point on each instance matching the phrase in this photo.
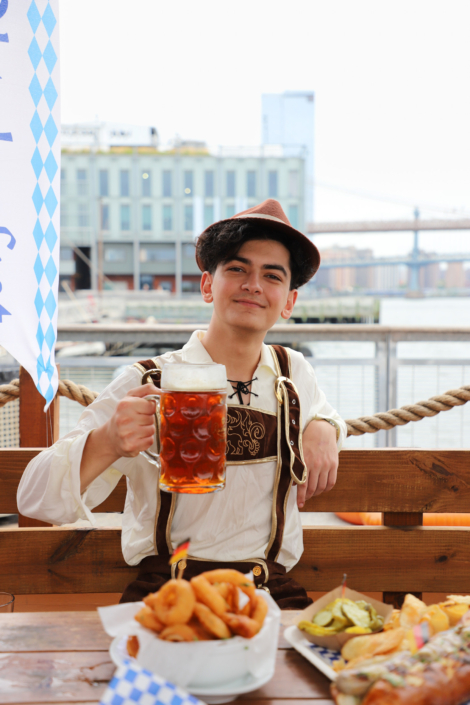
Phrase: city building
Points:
(288, 120)
(130, 215)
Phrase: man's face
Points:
(252, 290)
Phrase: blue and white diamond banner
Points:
(30, 186)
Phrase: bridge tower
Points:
(414, 264)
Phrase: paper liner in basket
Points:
(336, 641)
(198, 663)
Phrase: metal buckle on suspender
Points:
(148, 374)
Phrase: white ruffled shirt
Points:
(231, 525)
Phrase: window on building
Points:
(230, 176)
(64, 217)
(115, 254)
(229, 210)
(83, 215)
(188, 218)
(209, 183)
(104, 216)
(293, 183)
(66, 254)
(167, 218)
(146, 184)
(104, 182)
(294, 216)
(63, 175)
(251, 184)
(208, 215)
(82, 182)
(272, 184)
(188, 183)
(124, 182)
(125, 216)
(167, 186)
(164, 252)
(146, 217)
(188, 250)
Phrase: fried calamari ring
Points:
(132, 646)
(202, 634)
(147, 618)
(211, 622)
(228, 575)
(178, 632)
(209, 595)
(174, 602)
(241, 625)
(260, 611)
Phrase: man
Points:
(252, 264)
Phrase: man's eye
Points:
(273, 276)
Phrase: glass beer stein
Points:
(192, 418)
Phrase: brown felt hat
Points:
(270, 215)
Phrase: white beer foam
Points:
(193, 378)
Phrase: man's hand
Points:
(130, 430)
(321, 458)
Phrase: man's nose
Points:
(252, 282)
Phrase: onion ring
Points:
(147, 618)
(211, 622)
(132, 646)
(174, 602)
(260, 611)
(242, 626)
(209, 595)
(228, 575)
(178, 632)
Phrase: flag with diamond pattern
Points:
(30, 186)
(134, 685)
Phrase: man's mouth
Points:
(248, 302)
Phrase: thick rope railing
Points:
(382, 421)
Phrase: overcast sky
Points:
(391, 83)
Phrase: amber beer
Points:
(193, 428)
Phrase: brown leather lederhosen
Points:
(253, 436)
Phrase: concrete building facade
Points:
(136, 212)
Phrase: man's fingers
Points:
(301, 493)
(144, 390)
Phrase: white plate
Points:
(321, 657)
(211, 695)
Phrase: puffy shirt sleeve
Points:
(50, 487)
(315, 404)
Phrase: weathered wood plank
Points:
(58, 631)
(379, 480)
(73, 677)
(394, 479)
(377, 558)
(50, 677)
(423, 559)
(55, 560)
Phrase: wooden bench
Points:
(402, 556)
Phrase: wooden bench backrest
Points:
(400, 483)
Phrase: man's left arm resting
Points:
(320, 448)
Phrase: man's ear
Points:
(206, 287)
(290, 303)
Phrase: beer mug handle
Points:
(154, 458)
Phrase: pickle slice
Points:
(359, 617)
(323, 618)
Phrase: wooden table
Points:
(62, 657)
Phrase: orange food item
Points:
(132, 646)
(429, 519)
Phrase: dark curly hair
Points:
(222, 241)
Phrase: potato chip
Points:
(437, 618)
(454, 612)
(459, 599)
(411, 612)
(368, 646)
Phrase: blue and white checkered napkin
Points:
(134, 685)
(328, 655)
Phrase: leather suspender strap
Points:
(165, 501)
(291, 465)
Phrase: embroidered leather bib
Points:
(253, 436)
